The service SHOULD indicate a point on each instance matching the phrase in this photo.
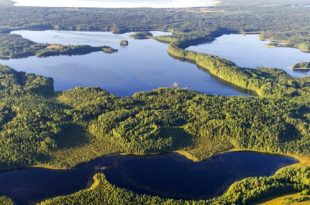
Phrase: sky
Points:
(117, 3)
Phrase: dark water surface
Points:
(142, 66)
(169, 175)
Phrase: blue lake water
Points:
(249, 51)
(145, 64)
(142, 66)
(169, 175)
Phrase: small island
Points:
(303, 66)
(124, 43)
(142, 35)
(57, 49)
(108, 49)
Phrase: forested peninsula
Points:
(15, 46)
(265, 82)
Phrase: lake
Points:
(250, 51)
(142, 66)
(169, 175)
(118, 4)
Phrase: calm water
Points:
(169, 175)
(300, 5)
(142, 66)
(118, 4)
(250, 51)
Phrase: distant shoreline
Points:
(118, 4)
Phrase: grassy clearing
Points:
(292, 199)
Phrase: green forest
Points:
(60, 130)
(15, 46)
(303, 66)
(243, 17)
(142, 35)
(265, 82)
(246, 191)
(34, 117)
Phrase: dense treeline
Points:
(142, 35)
(29, 125)
(300, 40)
(158, 121)
(56, 50)
(64, 129)
(15, 46)
(266, 82)
(209, 124)
(247, 191)
(171, 119)
(238, 18)
(15, 83)
(40, 126)
(303, 66)
(291, 31)
(27, 119)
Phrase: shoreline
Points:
(302, 160)
(111, 4)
